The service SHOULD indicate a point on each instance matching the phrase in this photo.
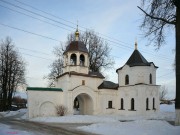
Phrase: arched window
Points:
(150, 78)
(73, 59)
(154, 104)
(126, 80)
(122, 103)
(82, 60)
(147, 104)
(132, 104)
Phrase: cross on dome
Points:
(77, 34)
(135, 45)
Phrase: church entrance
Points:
(83, 105)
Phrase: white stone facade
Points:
(136, 95)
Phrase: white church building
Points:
(87, 93)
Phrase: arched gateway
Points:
(83, 101)
(83, 104)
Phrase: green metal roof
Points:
(43, 89)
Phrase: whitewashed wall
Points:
(70, 82)
(43, 103)
(137, 74)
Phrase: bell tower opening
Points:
(82, 60)
(73, 59)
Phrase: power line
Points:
(44, 12)
(118, 44)
(30, 32)
(75, 24)
(33, 17)
(67, 21)
(38, 34)
(37, 57)
(165, 74)
(33, 51)
(36, 14)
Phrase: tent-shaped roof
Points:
(137, 59)
(76, 46)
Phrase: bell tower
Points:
(76, 57)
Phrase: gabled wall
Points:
(70, 82)
(137, 75)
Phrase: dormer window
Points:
(126, 80)
(73, 59)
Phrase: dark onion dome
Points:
(136, 59)
(76, 46)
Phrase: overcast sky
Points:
(115, 20)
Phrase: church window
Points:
(150, 78)
(132, 104)
(122, 103)
(83, 82)
(82, 60)
(154, 104)
(73, 59)
(109, 104)
(147, 104)
(126, 80)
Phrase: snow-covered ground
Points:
(114, 124)
(19, 113)
(6, 130)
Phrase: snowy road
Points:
(42, 128)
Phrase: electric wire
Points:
(71, 23)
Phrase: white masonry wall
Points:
(137, 74)
(140, 93)
(70, 82)
(43, 103)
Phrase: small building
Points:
(87, 93)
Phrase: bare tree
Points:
(159, 15)
(163, 93)
(99, 54)
(55, 67)
(12, 72)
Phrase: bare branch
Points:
(157, 18)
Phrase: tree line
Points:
(12, 72)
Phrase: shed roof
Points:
(108, 85)
(90, 74)
(43, 89)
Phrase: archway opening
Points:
(82, 60)
(73, 59)
(83, 105)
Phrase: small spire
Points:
(77, 33)
(136, 44)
